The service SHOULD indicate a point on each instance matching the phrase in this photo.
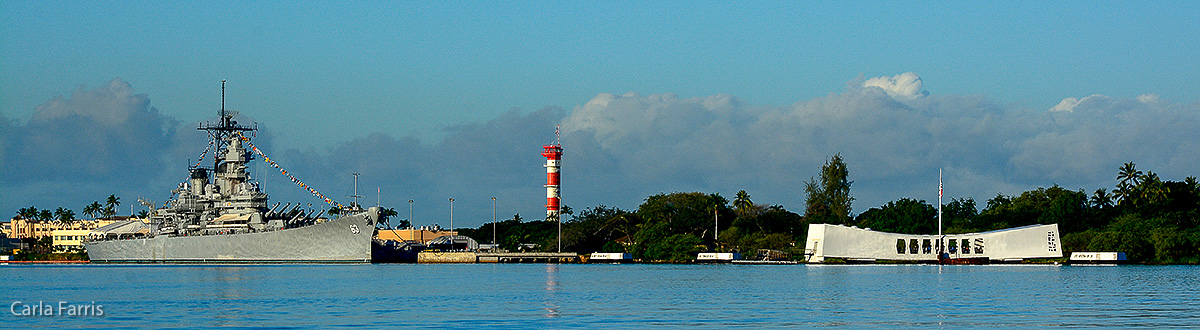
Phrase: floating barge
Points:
(717, 257)
(609, 258)
(1097, 257)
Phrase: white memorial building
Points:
(864, 245)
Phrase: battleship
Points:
(219, 215)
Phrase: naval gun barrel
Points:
(285, 207)
(295, 208)
(272, 210)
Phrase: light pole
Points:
(452, 218)
(411, 224)
(493, 224)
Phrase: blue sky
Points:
(321, 75)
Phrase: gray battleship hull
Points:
(347, 239)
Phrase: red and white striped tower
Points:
(553, 153)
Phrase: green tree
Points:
(30, 213)
(656, 242)
(829, 199)
(595, 228)
(904, 216)
(67, 217)
(93, 209)
(44, 244)
(772, 219)
(45, 216)
(1041, 206)
(959, 215)
(685, 213)
(511, 233)
(385, 216)
(110, 205)
(1129, 177)
(742, 203)
(1101, 199)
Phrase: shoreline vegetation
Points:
(1152, 220)
(67, 256)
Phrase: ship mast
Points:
(221, 131)
(356, 196)
(229, 157)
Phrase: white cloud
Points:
(904, 85)
(659, 143)
(101, 141)
(620, 149)
(110, 104)
(1069, 104)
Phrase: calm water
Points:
(609, 296)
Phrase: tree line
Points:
(68, 216)
(674, 227)
(40, 248)
(1152, 220)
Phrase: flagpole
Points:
(941, 239)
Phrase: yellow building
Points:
(419, 235)
(69, 240)
(29, 228)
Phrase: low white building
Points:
(858, 244)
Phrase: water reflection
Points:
(552, 288)
(225, 286)
(624, 296)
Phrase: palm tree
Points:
(742, 203)
(385, 216)
(1131, 178)
(45, 216)
(67, 217)
(1101, 199)
(27, 213)
(92, 209)
(110, 206)
(1129, 175)
(1152, 188)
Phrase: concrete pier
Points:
(497, 257)
(529, 257)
